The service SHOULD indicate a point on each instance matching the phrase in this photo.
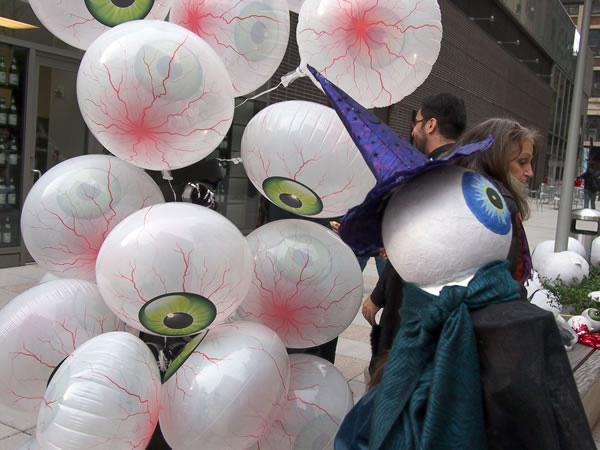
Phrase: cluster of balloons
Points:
(160, 96)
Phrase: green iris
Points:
(183, 355)
(177, 314)
(292, 196)
(114, 12)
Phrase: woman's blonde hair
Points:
(509, 137)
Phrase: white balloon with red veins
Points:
(155, 95)
(299, 155)
(173, 269)
(377, 52)
(38, 329)
(71, 209)
(250, 36)
(317, 401)
(79, 22)
(307, 284)
(106, 394)
(229, 390)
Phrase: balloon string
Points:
(260, 94)
(173, 191)
(285, 81)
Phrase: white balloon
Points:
(377, 52)
(421, 242)
(545, 247)
(79, 23)
(299, 155)
(307, 284)
(169, 254)
(318, 399)
(249, 36)
(570, 267)
(41, 327)
(105, 395)
(155, 94)
(71, 209)
(48, 277)
(227, 393)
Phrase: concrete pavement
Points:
(353, 350)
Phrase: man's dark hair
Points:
(449, 111)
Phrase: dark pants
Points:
(589, 197)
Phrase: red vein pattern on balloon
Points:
(368, 41)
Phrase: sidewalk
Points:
(353, 350)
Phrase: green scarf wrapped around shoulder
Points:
(430, 394)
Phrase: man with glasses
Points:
(438, 124)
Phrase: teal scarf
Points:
(430, 394)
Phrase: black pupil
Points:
(494, 197)
(290, 200)
(123, 3)
(178, 320)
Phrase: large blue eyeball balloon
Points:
(444, 225)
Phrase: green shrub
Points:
(574, 299)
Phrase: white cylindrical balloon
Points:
(299, 155)
(155, 95)
(41, 327)
(318, 399)
(423, 242)
(71, 209)
(377, 52)
(307, 284)
(249, 36)
(80, 22)
(105, 395)
(595, 253)
(227, 393)
(173, 261)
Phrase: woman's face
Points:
(520, 163)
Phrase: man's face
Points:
(418, 132)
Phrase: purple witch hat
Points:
(391, 158)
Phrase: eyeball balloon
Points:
(459, 203)
(155, 95)
(174, 269)
(227, 393)
(568, 267)
(250, 36)
(71, 209)
(106, 394)
(307, 284)
(318, 399)
(593, 316)
(38, 329)
(377, 52)
(80, 22)
(546, 247)
(299, 155)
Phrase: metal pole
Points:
(566, 192)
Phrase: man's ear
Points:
(431, 126)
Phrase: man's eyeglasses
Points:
(415, 122)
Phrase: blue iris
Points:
(486, 203)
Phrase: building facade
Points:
(479, 60)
